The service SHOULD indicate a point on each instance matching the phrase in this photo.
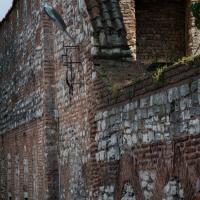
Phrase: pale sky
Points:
(4, 7)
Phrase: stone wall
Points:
(155, 126)
(27, 124)
(67, 132)
(72, 101)
(160, 116)
(21, 60)
(193, 34)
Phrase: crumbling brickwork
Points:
(81, 120)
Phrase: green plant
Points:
(159, 73)
(140, 77)
(115, 88)
(103, 73)
(184, 60)
(195, 8)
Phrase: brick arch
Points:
(128, 174)
(171, 187)
(174, 171)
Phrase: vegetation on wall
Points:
(195, 8)
(158, 74)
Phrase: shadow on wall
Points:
(160, 30)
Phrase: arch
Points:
(128, 179)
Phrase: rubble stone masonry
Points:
(80, 120)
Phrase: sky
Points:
(4, 7)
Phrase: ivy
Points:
(195, 8)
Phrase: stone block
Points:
(103, 125)
(113, 153)
(134, 139)
(173, 94)
(144, 102)
(102, 155)
(113, 140)
(147, 195)
(173, 190)
(194, 86)
(194, 126)
(184, 90)
(98, 116)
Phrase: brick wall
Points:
(148, 128)
(77, 137)
(160, 30)
(156, 25)
(22, 156)
(27, 123)
(72, 101)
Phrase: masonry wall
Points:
(27, 125)
(73, 101)
(77, 104)
(147, 137)
(67, 131)
(22, 166)
(153, 24)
